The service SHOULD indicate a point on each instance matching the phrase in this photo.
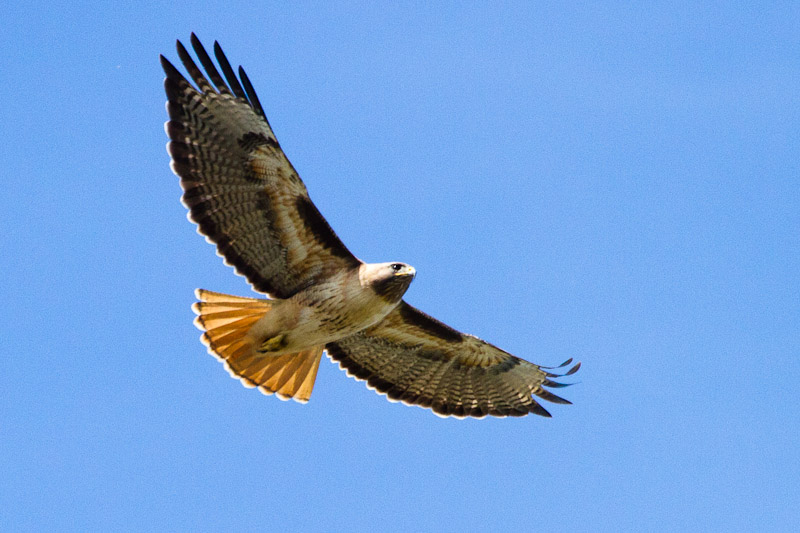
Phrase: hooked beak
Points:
(407, 271)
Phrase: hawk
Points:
(247, 199)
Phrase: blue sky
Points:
(609, 182)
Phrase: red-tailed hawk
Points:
(245, 197)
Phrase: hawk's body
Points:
(246, 197)
(340, 306)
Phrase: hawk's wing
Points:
(414, 358)
(240, 188)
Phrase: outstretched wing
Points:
(240, 188)
(413, 358)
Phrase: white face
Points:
(398, 269)
(371, 272)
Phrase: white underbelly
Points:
(309, 320)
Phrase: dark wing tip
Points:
(230, 75)
(562, 365)
(550, 397)
(229, 84)
(537, 409)
(573, 370)
(555, 384)
(209, 66)
(170, 70)
(251, 93)
(191, 67)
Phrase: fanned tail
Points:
(225, 320)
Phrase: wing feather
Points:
(209, 66)
(414, 358)
(228, 71)
(241, 190)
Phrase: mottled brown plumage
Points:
(247, 199)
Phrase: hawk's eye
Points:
(397, 267)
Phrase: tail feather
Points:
(225, 321)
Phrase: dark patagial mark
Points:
(429, 324)
(321, 231)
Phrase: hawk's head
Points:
(389, 280)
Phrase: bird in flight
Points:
(247, 199)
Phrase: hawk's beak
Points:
(408, 271)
